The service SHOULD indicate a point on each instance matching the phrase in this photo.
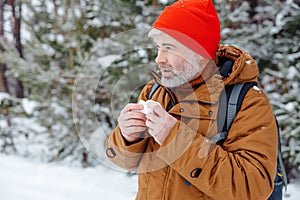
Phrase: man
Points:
(171, 146)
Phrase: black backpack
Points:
(231, 100)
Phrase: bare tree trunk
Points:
(17, 26)
(2, 4)
(253, 5)
(55, 7)
(3, 80)
(17, 36)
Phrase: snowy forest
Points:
(68, 67)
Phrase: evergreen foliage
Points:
(89, 44)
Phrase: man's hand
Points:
(159, 122)
(132, 122)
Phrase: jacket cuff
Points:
(120, 142)
(124, 155)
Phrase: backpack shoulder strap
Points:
(232, 106)
(281, 173)
(154, 89)
(229, 106)
(236, 98)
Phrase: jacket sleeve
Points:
(243, 168)
(124, 154)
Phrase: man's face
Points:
(177, 63)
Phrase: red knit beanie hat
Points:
(194, 23)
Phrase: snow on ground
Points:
(293, 192)
(21, 179)
(24, 180)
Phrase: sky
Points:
(21, 179)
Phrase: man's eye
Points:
(165, 48)
(169, 48)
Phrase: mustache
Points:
(159, 72)
(164, 67)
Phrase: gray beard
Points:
(175, 82)
(184, 77)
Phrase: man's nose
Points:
(161, 57)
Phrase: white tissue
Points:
(146, 108)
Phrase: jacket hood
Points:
(244, 67)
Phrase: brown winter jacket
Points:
(188, 166)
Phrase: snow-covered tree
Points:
(67, 42)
